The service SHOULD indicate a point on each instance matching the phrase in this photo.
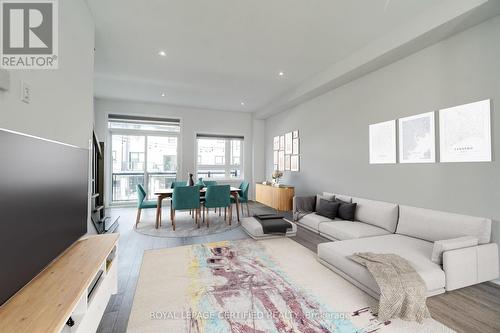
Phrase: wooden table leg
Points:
(158, 211)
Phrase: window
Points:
(143, 151)
(219, 157)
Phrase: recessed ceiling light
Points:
(162, 94)
(281, 74)
(242, 103)
(162, 53)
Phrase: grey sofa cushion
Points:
(377, 213)
(312, 221)
(433, 225)
(340, 197)
(324, 197)
(342, 230)
(416, 251)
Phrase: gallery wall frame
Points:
(465, 133)
(417, 138)
(286, 152)
(382, 143)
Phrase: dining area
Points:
(201, 201)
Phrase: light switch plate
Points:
(4, 80)
(25, 92)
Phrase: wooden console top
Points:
(46, 303)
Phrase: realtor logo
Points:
(29, 34)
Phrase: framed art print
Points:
(465, 133)
(294, 163)
(287, 163)
(417, 139)
(289, 143)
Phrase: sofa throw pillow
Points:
(324, 197)
(346, 210)
(450, 244)
(328, 208)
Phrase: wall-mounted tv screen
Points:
(43, 205)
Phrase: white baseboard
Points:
(497, 281)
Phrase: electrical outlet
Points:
(25, 92)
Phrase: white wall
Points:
(334, 128)
(62, 100)
(193, 121)
(61, 105)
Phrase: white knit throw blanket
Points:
(402, 290)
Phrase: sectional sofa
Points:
(410, 232)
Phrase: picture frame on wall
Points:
(282, 142)
(417, 139)
(276, 143)
(296, 134)
(287, 162)
(382, 142)
(281, 160)
(289, 143)
(296, 146)
(294, 163)
(465, 133)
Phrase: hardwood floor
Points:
(468, 310)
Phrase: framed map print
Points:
(288, 143)
(383, 142)
(417, 139)
(465, 133)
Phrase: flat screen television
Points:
(43, 205)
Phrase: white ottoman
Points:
(254, 229)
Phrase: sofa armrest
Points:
(470, 265)
(304, 204)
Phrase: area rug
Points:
(249, 286)
(185, 226)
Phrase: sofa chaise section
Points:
(416, 251)
(416, 232)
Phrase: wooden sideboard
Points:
(279, 198)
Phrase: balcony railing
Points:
(125, 184)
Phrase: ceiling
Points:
(221, 53)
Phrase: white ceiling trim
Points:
(440, 22)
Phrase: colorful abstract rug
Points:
(247, 286)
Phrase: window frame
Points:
(227, 166)
(109, 164)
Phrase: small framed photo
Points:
(294, 163)
(296, 134)
(287, 162)
(288, 143)
(281, 160)
(276, 143)
(282, 142)
(295, 146)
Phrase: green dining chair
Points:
(243, 196)
(178, 183)
(217, 196)
(185, 198)
(142, 203)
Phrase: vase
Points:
(191, 180)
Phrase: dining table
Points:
(167, 193)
